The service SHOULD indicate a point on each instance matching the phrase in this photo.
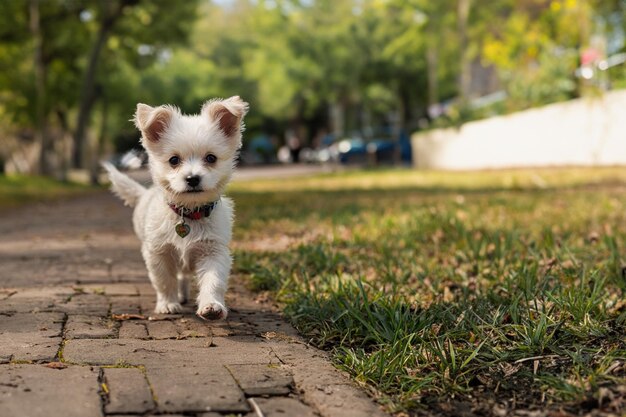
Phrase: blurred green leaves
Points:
(371, 61)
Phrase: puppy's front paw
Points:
(212, 311)
(168, 308)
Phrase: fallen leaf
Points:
(56, 365)
(508, 369)
(122, 317)
(593, 237)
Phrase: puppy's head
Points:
(192, 157)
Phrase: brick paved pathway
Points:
(78, 337)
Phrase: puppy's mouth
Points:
(194, 190)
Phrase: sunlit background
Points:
(328, 81)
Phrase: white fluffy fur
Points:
(204, 253)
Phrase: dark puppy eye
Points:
(174, 160)
(211, 159)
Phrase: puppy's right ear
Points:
(153, 121)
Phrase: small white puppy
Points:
(183, 221)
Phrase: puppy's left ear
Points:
(228, 113)
(153, 121)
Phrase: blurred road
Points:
(248, 173)
(281, 171)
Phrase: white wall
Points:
(590, 131)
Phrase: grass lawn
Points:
(21, 189)
(489, 293)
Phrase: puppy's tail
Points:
(123, 186)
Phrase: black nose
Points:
(193, 180)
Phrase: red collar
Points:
(196, 213)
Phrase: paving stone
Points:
(147, 304)
(43, 324)
(163, 329)
(282, 407)
(300, 359)
(88, 327)
(30, 336)
(112, 289)
(342, 401)
(145, 288)
(41, 299)
(262, 379)
(194, 327)
(225, 329)
(200, 351)
(37, 391)
(125, 305)
(6, 293)
(56, 293)
(163, 317)
(192, 388)
(263, 322)
(327, 389)
(128, 391)
(27, 305)
(133, 330)
(86, 304)
(238, 324)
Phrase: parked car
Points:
(381, 147)
(260, 150)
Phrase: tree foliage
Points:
(311, 66)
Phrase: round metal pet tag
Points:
(182, 229)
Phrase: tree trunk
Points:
(432, 63)
(64, 157)
(45, 151)
(465, 75)
(108, 19)
(402, 122)
(99, 146)
(337, 118)
(87, 98)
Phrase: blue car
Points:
(381, 148)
